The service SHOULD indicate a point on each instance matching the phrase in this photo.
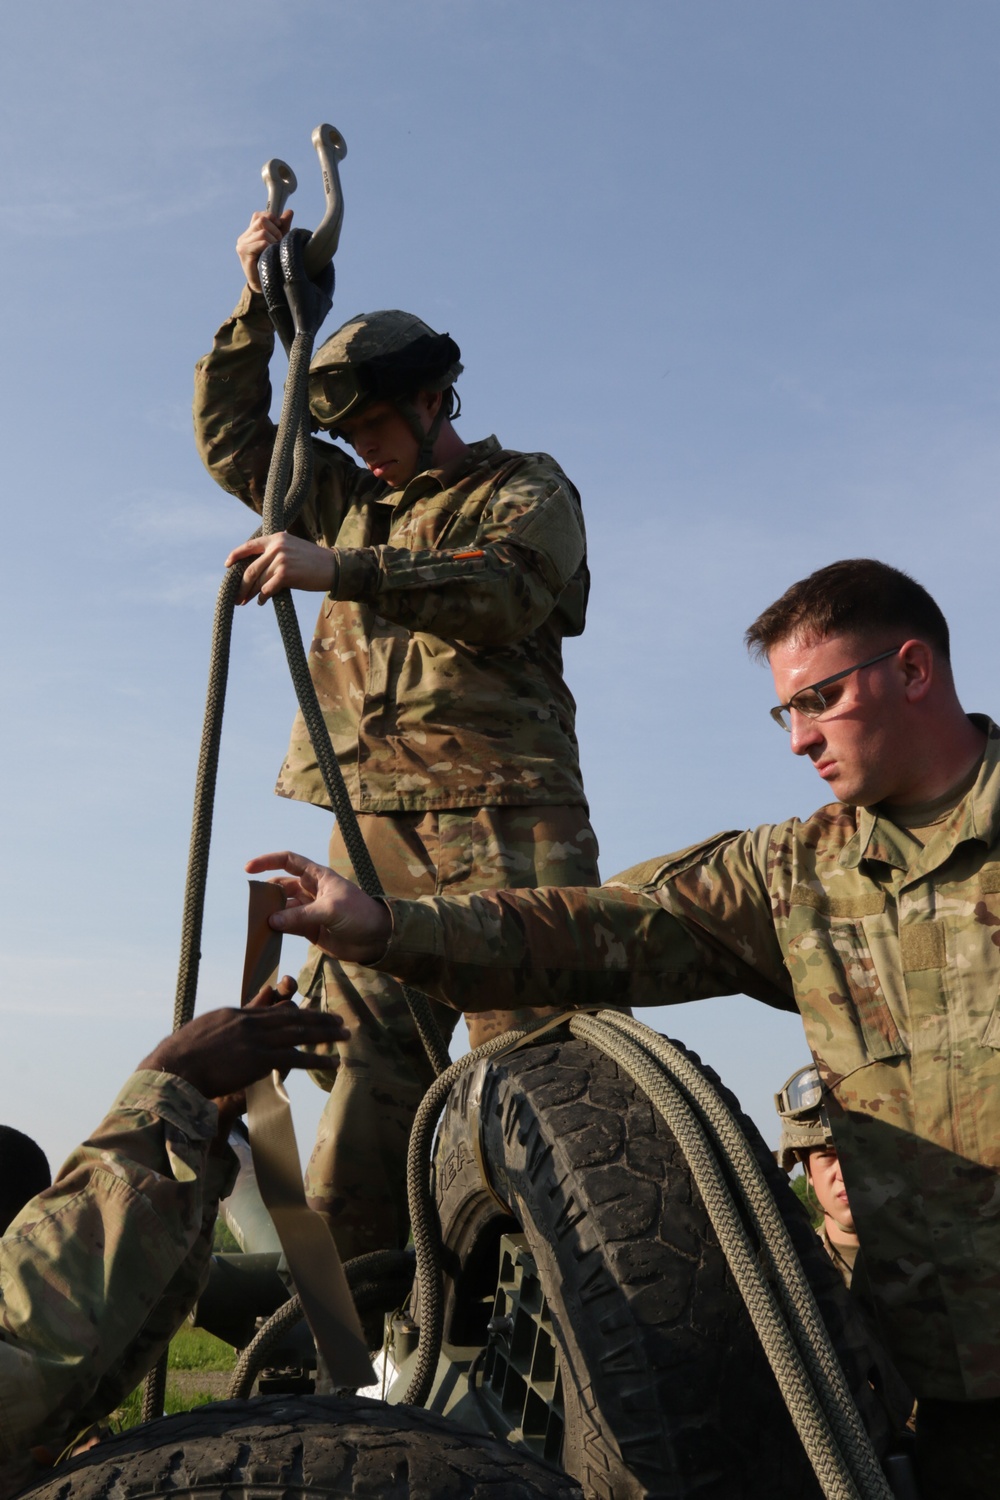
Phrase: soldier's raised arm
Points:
(99, 1270)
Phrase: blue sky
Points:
(733, 265)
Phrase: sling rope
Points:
(787, 1321)
(298, 305)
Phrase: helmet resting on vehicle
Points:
(804, 1123)
(382, 356)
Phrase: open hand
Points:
(331, 912)
(223, 1051)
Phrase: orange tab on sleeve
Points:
(462, 556)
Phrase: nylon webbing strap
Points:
(310, 1252)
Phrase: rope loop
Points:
(297, 302)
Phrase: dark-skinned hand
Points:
(223, 1051)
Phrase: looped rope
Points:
(296, 301)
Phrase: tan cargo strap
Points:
(310, 1252)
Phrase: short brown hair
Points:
(857, 596)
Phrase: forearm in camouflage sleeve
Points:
(84, 1265)
(177, 1300)
(233, 430)
(493, 591)
(556, 946)
(719, 892)
(234, 433)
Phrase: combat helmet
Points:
(382, 356)
(804, 1123)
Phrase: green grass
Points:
(223, 1239)
(128, 1414)
(800, 1187)
(193, 1351)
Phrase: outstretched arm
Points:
(91, 1268)
(683, 927)
(512, 948)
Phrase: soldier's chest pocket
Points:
(978, 942)
(849, 986)
(434, 521)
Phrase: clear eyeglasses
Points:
(809, 701)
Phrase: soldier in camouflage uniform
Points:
(98, 1271)
(451, 572)
(877, 918)
(807, 1140)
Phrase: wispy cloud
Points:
(169, 416)
(62, 213)
(158, 518)
(801, 395)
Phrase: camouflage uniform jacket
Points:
(890, 952)
(439, 664)
(98, 1272)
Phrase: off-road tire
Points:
(667, 1391)
(308, 1446)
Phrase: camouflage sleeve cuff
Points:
(252, 307)
(221, 1172)
(357, 578)
(172, 1099)
(416, 932)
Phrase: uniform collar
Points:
(430, 481)
(977, 816)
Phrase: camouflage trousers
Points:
(357, 1173)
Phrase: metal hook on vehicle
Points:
(281, 182)
(330, 148)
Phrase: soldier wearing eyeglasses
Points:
(878, 918)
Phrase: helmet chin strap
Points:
(408, 411)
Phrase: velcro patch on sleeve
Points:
(553, 528)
